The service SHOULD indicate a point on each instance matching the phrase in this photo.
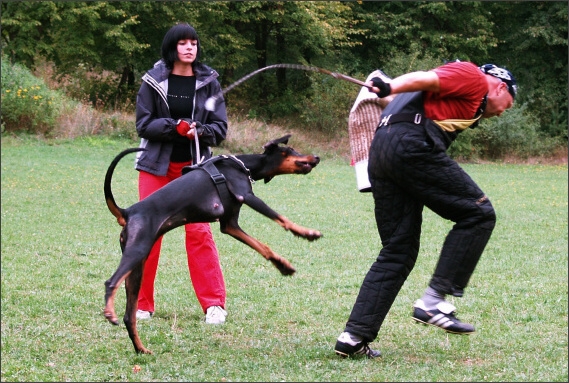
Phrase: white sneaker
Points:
(441, 316)
(142, 314)
(215, 315)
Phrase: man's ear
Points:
(503, 87)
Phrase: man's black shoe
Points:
(442, 316)
(346, 346)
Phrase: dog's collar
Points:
(247, 171)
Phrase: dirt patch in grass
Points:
(559, 157)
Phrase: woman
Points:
(170, 116)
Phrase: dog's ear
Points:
(276, 142)
(267, 179)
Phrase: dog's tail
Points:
(111, 204)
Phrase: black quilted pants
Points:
(409, 169)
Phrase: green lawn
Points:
(60, 243)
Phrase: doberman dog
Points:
(212, 191)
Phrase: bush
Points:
(27, 103)
(512, 134)
(99, 89)
(328, 108)
(29, 106)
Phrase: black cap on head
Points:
(504, 75)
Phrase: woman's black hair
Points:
(182, 31)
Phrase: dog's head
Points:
(282, 159)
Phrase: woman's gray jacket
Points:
(157, 128)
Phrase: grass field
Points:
(60, 243)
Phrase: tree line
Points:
(351, 37)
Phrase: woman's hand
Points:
(189, 129)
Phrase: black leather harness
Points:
(217, 177)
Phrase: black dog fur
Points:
(195, 197)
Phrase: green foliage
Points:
(27, 103)
(24, 30)
(120, 40)
(60, 243)
(514, 133)
(534, 47)
(327, 108)
(414, 60)
(97, 89)
(445, 30)
(462, 148)
(120, 37)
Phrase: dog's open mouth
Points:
(305, 167)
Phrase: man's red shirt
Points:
(462, 88)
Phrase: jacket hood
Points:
(203, 73)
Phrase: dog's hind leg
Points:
(131, 258)
(110, 293)
(132, 287)
(280, 263)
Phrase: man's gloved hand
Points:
(183, 127)
(384, 88)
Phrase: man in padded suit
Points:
(409, 169)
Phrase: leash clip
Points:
(418, 118)
(247, 171)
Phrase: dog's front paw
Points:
(143, 350)
(308, 234)
(312, 234)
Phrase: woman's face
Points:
(187, 51)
